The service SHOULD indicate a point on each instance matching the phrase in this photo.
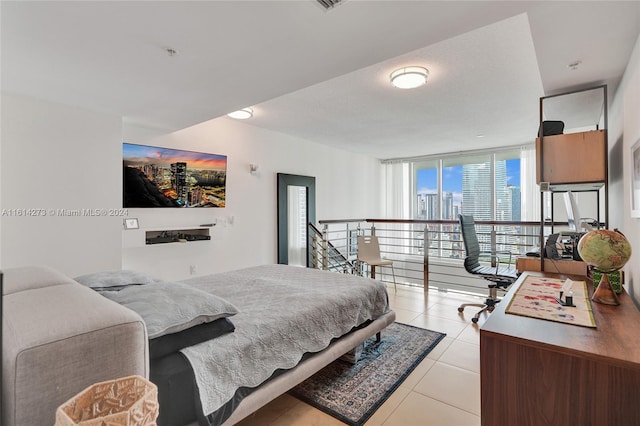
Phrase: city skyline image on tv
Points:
(165, 177)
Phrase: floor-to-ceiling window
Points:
(485, 184)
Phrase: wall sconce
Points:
(253, 169)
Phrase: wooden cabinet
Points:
(572, 158)
(537, 372)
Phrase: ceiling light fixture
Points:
(409, 77)
(241, 114)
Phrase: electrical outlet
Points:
(193, 269)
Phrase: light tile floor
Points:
(444, 390)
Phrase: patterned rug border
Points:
(438, 337)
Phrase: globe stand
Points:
(604, 292)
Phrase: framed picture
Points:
(635, 179)
(131, 223)
(198, 179)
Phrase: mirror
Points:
(296, 208)
(579, 111)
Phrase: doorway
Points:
(296, 208)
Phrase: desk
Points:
(560, 266)
(537, 372)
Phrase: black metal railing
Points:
(426, 253)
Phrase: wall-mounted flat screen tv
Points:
(164, 177)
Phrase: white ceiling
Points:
(320, 75)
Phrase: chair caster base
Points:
(474, 320)
(460, 309)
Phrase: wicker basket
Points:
(128, 401)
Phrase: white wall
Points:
(347, 186)
(624, 131)
(57, 157)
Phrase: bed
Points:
(281, 324)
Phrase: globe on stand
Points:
(607, 251)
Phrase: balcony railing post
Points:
(425, 257)
(325, 247)
(313, 243)
(493, 245)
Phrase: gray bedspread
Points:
(284, 312)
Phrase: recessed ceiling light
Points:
(409, 77)
(480, 135)
(241, 114)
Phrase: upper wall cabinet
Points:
(576, 156)
(572, 158)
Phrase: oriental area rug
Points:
(353, 392)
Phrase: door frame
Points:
(284, 181)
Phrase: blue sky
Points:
(452, 178)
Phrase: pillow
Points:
(114, 279)
(170, 307)
(170, 343)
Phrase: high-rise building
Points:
(196, 195)
(179, 180)
(516, 214)
(428, 206)
(448, 212)
(476, 190)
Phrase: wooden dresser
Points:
(538, 372)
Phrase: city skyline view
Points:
(163, 177)
(140, 155)
(471, 183)
(452, 178)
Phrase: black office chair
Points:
(501, 276)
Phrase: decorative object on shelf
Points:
(128, 401)
(131, 223)
(635, 179)
(607, 251)
(409, 77)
